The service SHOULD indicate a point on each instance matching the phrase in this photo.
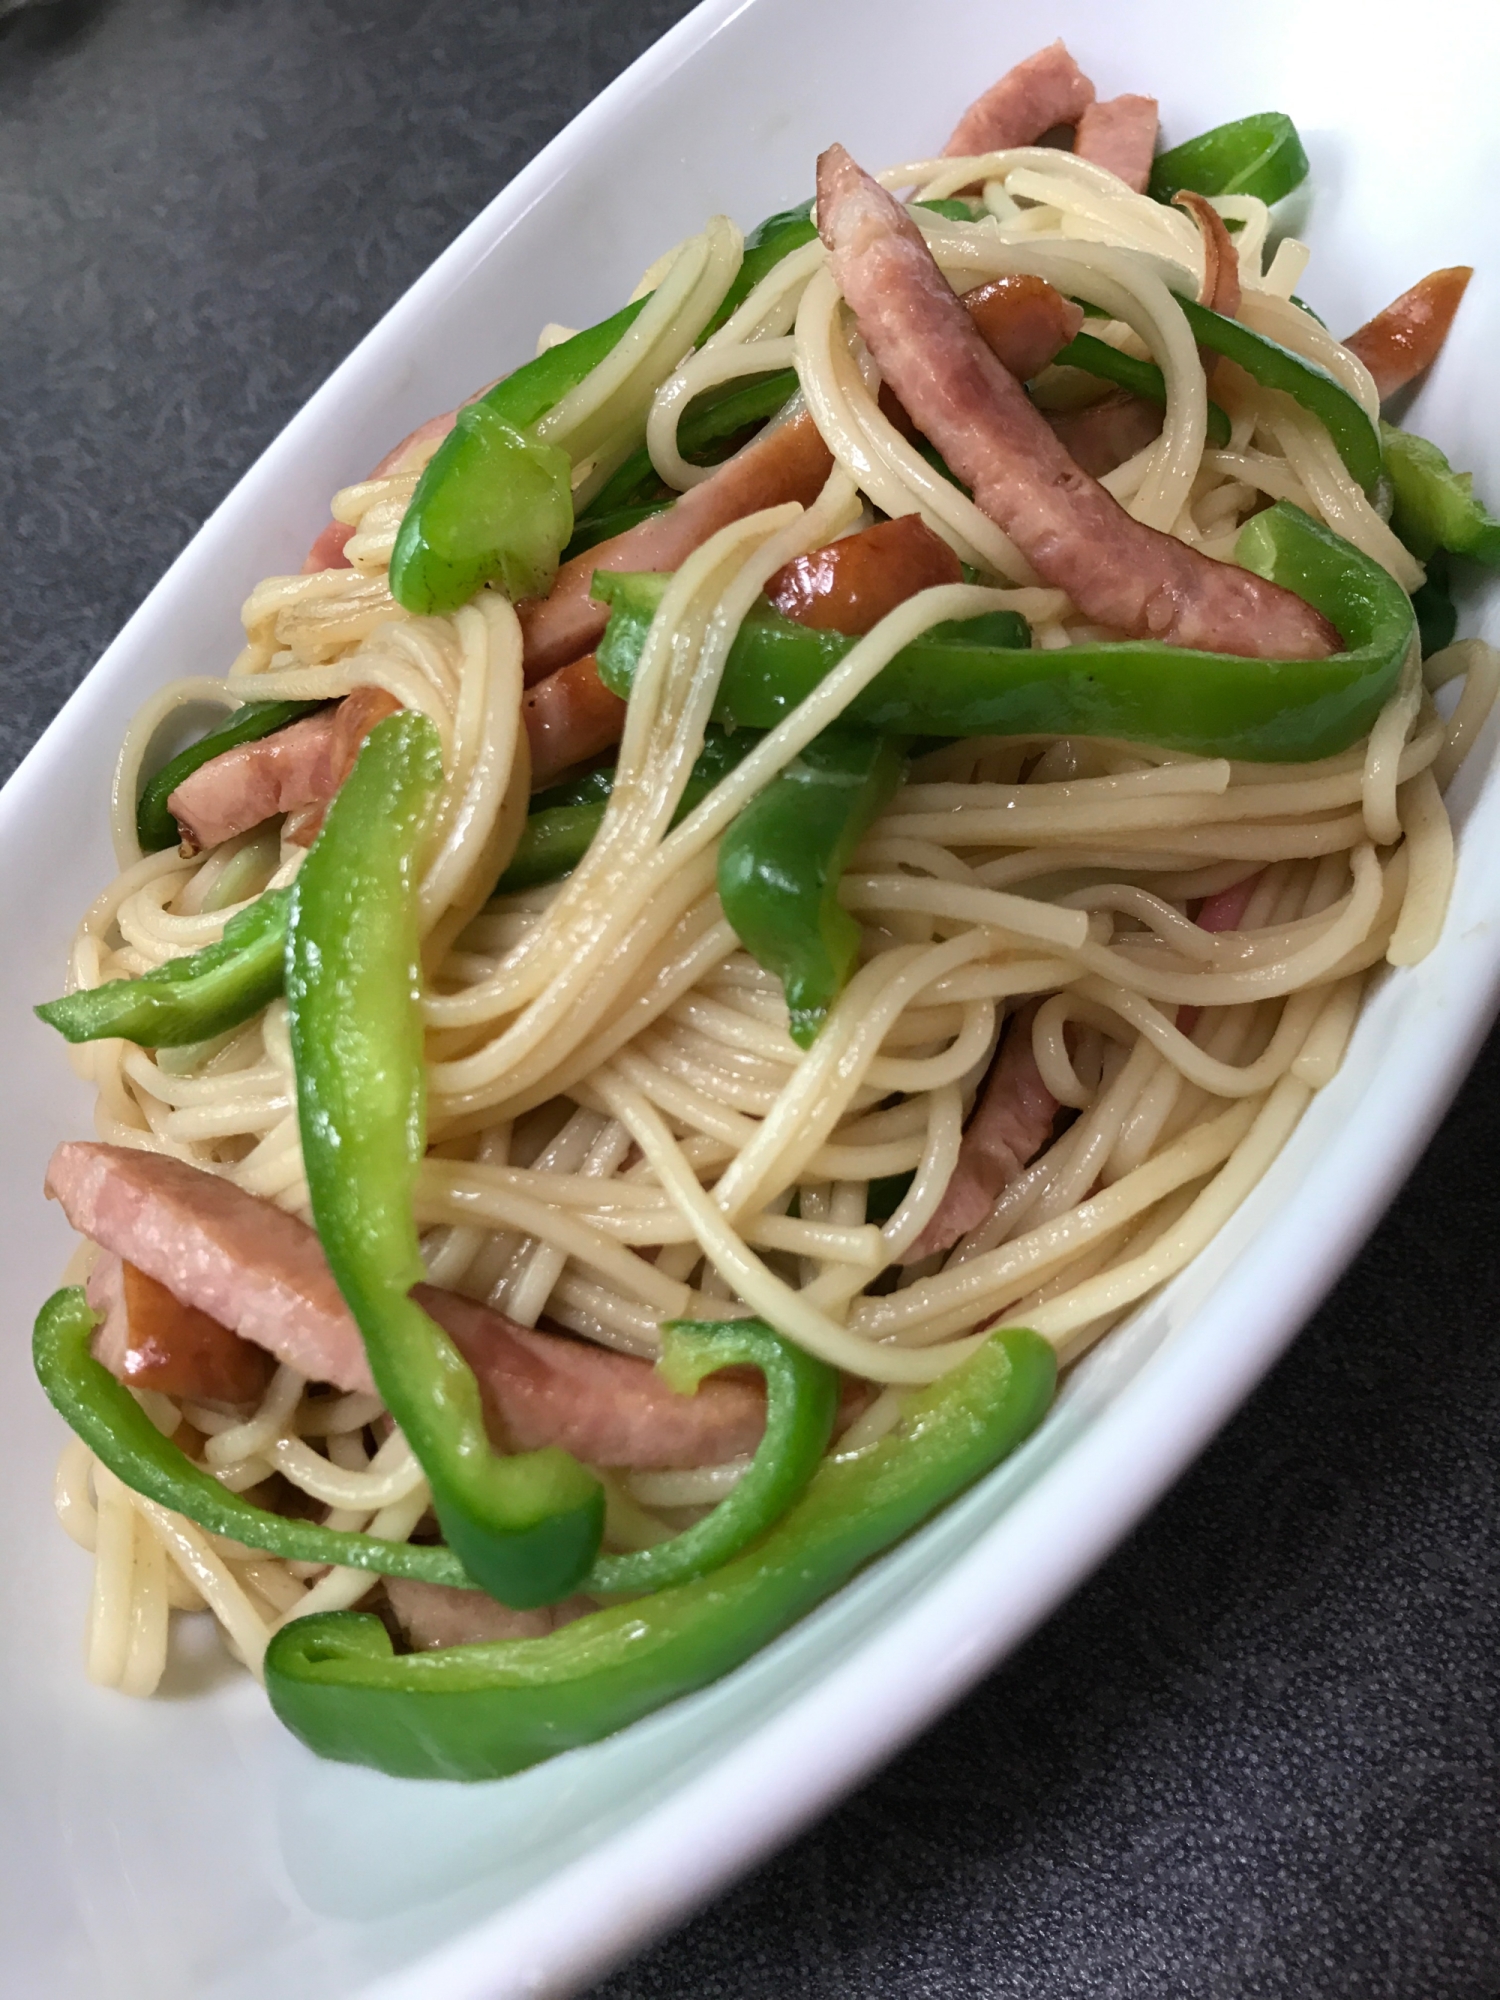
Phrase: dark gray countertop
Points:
(1257, 1754)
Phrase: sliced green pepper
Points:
(774, 664)
(1208, 704)
(781, 860)
(525, 1528)
(1432, 600)
(486, 1711)
(1436, 507)
(495, 505)
(155, 827)
(557, 836)
(802, 1397)
(1276, 367)
(187, 999)
(1142, 378)
(1261, 156)
(117, 1430)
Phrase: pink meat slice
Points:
(1119, 573)
(1046, 89)
(1223, 911)
(434, 1614)
(1120, 133)
(1011, 1123)
(789, 463)
(296, 769)
(608, 1409)
(241, 1260)
(262, 1273)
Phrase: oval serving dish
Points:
(190, 1847)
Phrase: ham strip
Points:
(788, 463)
(246, 1263)
(1011, 1123)
(1103, 435)
(1223, 911)
(1399, 343)
(1119, 573)
(150, 1340)
(297, 770)
(433, 1614)
(1046, 89)
(606, 1408)
(261, 1273)
(1120, 134)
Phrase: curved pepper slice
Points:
(1261, 155)
(525, 1528)
(494, 505)
(563, 821)
(802, 1395)
(956, 681)
(1436, 507)
(1141, 378)
(486, 1711)
(781, 859)
(155, 827)
(1276, 367)
(117, 1430)
(187, 999)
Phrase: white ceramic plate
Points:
(188, 1847)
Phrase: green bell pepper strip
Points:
(1432, 600)
(940, 685)
(155, 827)
(802, 1397)
(1436, 507)
(591, 529)
(1276, 367)
(781, 860)
(486, 1711)
(117, 1430)
(801, 1400)
(557, 837)
(1261, 155)
(188, 999)
(1208, 704)
(1142, 378)
(494, 505)
(525, 1528)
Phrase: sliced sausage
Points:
(1120, 134)
(1046, 89)
(1119, 573)
(850, 585)
(570, 716)
(150, 1340)
(1220, 290)
(1399, 343)
(1012, 1122)
(296, 770)
(788, 463)
(1023, 321)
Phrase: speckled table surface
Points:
(1257, 1754)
